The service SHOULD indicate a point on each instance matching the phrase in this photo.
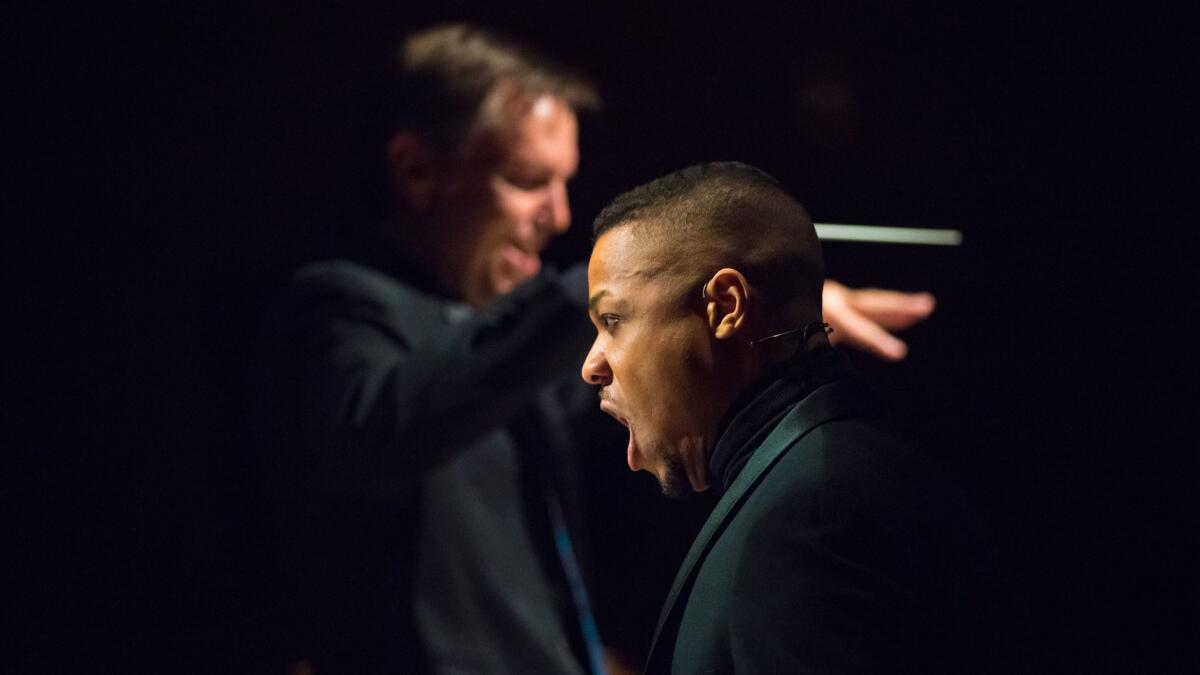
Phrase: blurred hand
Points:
(863, 317)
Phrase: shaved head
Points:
(725, 214)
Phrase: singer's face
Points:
(652, 361)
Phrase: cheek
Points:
(670, 383)
(503, 219)
(516, 206)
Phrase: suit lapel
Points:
(837, 400)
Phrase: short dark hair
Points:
(438, 86)
(728, 214)
(443, 77)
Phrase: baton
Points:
(888, 235)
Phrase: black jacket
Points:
(409, 445)
(830, 550)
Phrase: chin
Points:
(495, 286)
(673, 481)
(500, 287)
(504, 282)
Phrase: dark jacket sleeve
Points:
(370, 398)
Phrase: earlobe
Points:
(411, 164)
(728, 295)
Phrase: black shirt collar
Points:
(757, 410)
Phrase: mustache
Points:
(602, 392)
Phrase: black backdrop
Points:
(184, 157)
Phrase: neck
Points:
(752, 415)
(763, 361)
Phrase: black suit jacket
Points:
(826, 554)
(405, 436)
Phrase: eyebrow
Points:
(595, 299)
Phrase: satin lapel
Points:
(837, 400)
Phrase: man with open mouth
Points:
(833, 548)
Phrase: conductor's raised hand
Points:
(864, 318)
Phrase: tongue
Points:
(631, 452)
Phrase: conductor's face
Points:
(509, 198)
(651, 360)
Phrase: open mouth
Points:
(631, 451)
(611, 410)
(521, 260)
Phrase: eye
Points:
(609, 320)
(527, 182)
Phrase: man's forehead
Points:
(625, 253)
(614, 274)
(547, 107)
(544, 129)
(633, 262)
(612, 251)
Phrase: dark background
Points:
(180, 159)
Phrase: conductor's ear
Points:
(727, 294)
(412, 164)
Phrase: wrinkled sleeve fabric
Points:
(374, 387)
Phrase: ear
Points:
(412, 165)
(727, 294)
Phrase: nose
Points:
(595, 367)
(556, 212)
